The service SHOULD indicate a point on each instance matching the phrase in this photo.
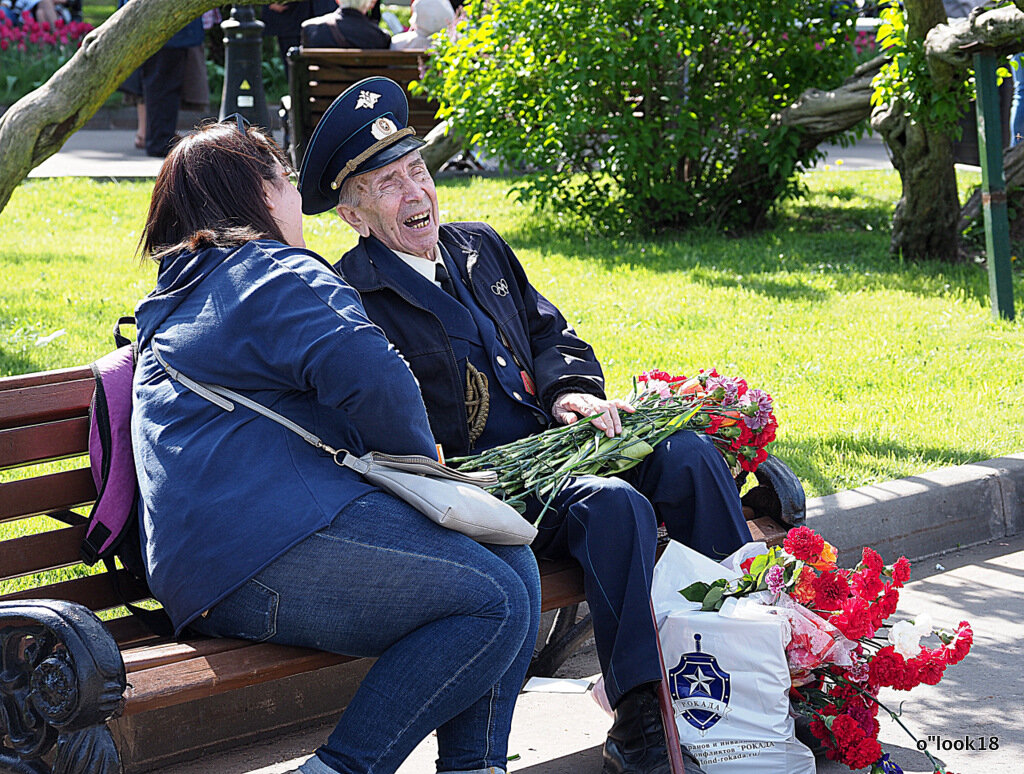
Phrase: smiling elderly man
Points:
(457, 304)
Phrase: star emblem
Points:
(700, 682)
(366, 99)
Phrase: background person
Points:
(454, 300)
(428, 18)
(346, 27)
(337, 565)
(284, 22)
(163, 77)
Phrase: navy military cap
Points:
(363, 129)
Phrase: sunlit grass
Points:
(879, 370)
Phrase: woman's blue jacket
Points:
(225, 493)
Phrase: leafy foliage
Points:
(649, 112)
(906, 77)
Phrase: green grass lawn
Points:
(879, 370)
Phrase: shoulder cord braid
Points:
(478, 402)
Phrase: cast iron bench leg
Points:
(61, 679)
(564, 638)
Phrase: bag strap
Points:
(409, 463)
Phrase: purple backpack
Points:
(114, 519)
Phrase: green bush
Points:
(643, 112)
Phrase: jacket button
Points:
(501, 361)
(517, 396)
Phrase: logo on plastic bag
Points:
(700, 689)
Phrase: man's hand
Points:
(574, 405)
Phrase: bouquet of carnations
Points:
(842, 650)
(738, 419)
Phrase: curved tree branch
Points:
(1000, 30)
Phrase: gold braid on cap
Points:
(353, 164)
(478, 402)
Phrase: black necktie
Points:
(441, 276)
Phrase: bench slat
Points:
(129, 631)
(44, 551)
(45, 377)
(150, 656)
(358, 56)
(39, 443)
(96, 592)
(767, 530)
(42, 494)
(196, 678)
(45, 402)
(561, 584)
(347, 75)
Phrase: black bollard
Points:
(243, 67)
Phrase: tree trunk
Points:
(924, 223)
(925, 220)
(443, 142)
(36, 126)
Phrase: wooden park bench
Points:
(317, 75)
(77, 694)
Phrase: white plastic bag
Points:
(727, 673)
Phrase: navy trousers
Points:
(610, 526)
(163, 75)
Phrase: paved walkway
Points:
(110, 153)
(982, 697)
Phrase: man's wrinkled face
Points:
(398, 205)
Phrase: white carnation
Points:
(906, 638)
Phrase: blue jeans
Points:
(1017, 106)
(452, 624)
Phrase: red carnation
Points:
(866, 584)
(885, 606)
(767, 434)
(863, 753)
(872, 561)
(750, 465)
(831, 590)
(901, 571)
(960, 646)
(930, 666)
(887, 667)
(804, 543)
(855, 619)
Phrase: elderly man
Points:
(455, 301)
(347, 27)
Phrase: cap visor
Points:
(403, 147)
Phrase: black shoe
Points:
(636, 740)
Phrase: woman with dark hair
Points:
(250, 532)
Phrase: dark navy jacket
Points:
(227, 492)
(422, 323)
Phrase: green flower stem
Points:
(867, 695)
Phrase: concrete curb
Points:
(926, 514)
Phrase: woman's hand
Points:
(571, 406)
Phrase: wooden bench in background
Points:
(103, 691)
(317, 75)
